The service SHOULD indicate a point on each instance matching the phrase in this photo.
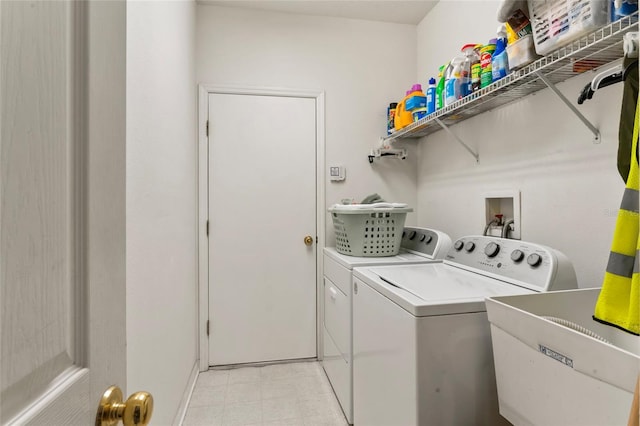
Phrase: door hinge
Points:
(207, 128)
(207, 327)
(207, 228)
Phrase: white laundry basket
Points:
(373, 230)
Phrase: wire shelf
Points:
(591, 51)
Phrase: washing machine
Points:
(422, 344)
(418, 245)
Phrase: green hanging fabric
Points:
(627, 114)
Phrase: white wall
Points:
(161, 202)
(570, 187)
(361, 65)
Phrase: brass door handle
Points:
(136, 410)
(308, 240)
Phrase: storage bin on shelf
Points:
(521, 52)
(369, 230)
(557, 23)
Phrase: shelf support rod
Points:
(567, 102)
(460, 141)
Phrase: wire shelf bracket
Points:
(387, 152)
(567, 102)
(460, 141)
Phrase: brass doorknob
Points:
(308, 240)
(136, 410)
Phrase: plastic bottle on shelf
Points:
(500, 60)
(431, 96)
(403, 117)
(440, 87)
(476, 69)
(453, 85)
(391, 114)
(486, 53)
(622, 8)
(416, 102)
(471, 65)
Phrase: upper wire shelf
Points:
(589, 52)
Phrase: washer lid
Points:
(436, 289)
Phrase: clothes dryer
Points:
(418, 245)
(422, 342)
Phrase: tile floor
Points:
(296, 394)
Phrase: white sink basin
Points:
(549, 374)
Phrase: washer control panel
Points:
(426, 241)
(526, 264)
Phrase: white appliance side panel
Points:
(548, 392)
(384, 360)
(456, 384)
(337, 273)
(339, 374)
(337, 317)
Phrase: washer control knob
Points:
(492, 249)
(534, 259)
(429, 239)
(470, 246)
(422, 237)
(517, 255)
(458, 245)
(412, 235)
(404, 234)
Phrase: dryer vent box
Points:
(506, 203)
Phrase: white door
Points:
(262, 203)
(62, 217)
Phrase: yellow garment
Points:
(619, 300)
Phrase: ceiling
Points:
(398, 11)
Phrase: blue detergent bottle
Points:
(453, 85)
(622, 8)
(500, 60)
(416, 103)
(431, 96)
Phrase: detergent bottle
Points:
(453, 85)
(471, 68)
(416, 102)
(440, 87)
(465, 74)
(431, 96)
(403, 117)
(391, 115)
(622, 8)
(486, 53)
(500, 60)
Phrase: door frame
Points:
(204, 90)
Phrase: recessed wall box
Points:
(507, 204)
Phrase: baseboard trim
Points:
(186, 397)
(262, 363)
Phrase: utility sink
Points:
(550, 374)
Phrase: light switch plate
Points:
(337, 173)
